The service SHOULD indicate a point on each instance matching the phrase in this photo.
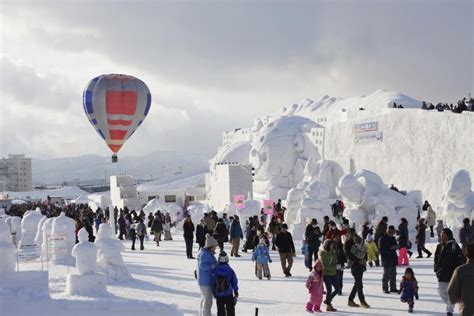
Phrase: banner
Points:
(239, 201)
(268, 207)
(367, 133)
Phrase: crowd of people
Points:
(462, 105)
(330, 248)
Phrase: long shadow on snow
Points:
(148, 286)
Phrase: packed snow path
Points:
(164, 275)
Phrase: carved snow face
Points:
(277, 146)
(458, 185)
(351, 189)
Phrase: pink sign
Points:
(268, 207)
(239, 201)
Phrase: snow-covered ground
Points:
(163, 281)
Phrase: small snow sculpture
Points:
(87, 282)
(14, 222)
(7, 250)
(44, 235)
(65, 227)
(29, 226)
(109, 258)
(368, 199)
(458, 199)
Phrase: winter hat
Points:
(223, 258)
(369, 237)
(210, 242)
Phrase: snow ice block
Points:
(94, 284)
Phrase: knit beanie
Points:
(223, 258)
(210, 241)
(369, 238)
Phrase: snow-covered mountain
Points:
(95, 169)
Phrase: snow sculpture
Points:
(29, 227)
(368, 199)
(14, 222)
(44, 234)
(279, 153)
(109, 259)
(458, 199)
(7, 250)
(39, 232)
(65, 227)
(87, 282)
(313, 196)
(315, 204)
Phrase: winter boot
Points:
(352, 304)
(364, 304)
(410, 308)
(377, 263)
(370, 264)
(309, 308)
(329, 308)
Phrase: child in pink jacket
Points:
(314, 284)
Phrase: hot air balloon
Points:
(116, 105)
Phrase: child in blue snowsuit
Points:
(409, 289)
(226, 289)
(261, 256)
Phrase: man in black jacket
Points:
(286, 249)
(357, 269)
(388, 252)
(188, 234)
(448, 257)
(312, 238)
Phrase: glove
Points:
(416, 296)
(270, 260)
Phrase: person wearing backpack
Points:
(226, 289)
(141, 232)
(448, 257)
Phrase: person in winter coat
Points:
(329, 261)
(439, 229)
(431, 220)
(448, 257)
(201, 231)
(209, 222)
(313, 240)
(409, 289)
(188, 234)
(388, 252)
(357, 256)
(261, 256)
(341, 261)
(421, 238)
(150, 220)
(141, 232)
(333, 231)
(250, 235)
(122, 227)
(381, 229)
(221, 233)
(167, 227)
(226, 289)
(314, 284)
(157, 228)
(286, 249)
(372, 251)
(366, 230)
(274, 228)
(465, 233)
(206, 264)
(403, 242)
(133, 232)
(461, 286)
(236, 235)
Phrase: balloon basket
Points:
(114, 158)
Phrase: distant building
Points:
(124, 193)
(15, 173)
(227, 180)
